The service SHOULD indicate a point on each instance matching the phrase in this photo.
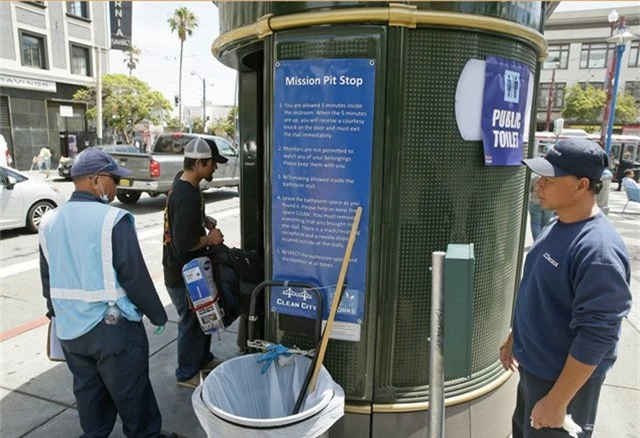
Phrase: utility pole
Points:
(613, 23)
(98, 95)
(204, 99)
(204, 105)
(550, 99)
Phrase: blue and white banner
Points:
(322, 151)
(503, 111)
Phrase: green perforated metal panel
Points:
(445, 195)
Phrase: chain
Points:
(263, 345)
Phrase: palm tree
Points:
(132, 57)
(183, 22)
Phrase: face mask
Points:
(103, 196)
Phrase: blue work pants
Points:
(110, 367)
(193, 344)
(582, 407)
(539, 218)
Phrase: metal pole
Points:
(98, 96)
(607, 102)
(204, 105)
(436, 368)
(550, 99)
(619, 51)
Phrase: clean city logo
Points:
(548, 258)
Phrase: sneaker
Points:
(211, 365)
(192, 383)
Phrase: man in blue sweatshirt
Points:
(575, 290)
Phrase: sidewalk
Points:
(37, 398)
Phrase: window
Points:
(596, 55)
(633, 54)
(38, 4)
(78, 9)
(596, 85)
(224, 147)
(633, 87)
(6, 173)
(33, 50)
(558, 95)
(558, 57)
(80, 60)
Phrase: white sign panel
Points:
(66, 111)
(469, 98)
(27, 84)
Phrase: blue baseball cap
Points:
(579, 157)
(92, 161)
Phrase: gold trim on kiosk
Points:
(450, 401)
(394, 15)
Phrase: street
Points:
(21, 304)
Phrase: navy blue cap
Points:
(92, 161)
(579, 157)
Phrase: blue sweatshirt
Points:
(575, 290)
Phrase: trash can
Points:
(603, 197)
(235, 400)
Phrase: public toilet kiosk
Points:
(418, 113)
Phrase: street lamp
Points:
(613, 25)
(621, 39)
(204, 97)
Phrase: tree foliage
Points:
(196, 125)
(227, 126)
(126, 101)
(583, 106)
(183, 23)
(626, 108)
(132, 57)
(173, 124)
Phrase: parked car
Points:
(154, 173)
(116, 148)
(23, 201)
(64, 167)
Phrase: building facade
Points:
(48, 52)
(579, 53)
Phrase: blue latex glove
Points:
(159, 330)
(272, 353)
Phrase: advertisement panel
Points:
(120, 15)
(322, 151)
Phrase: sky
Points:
(161, 50)
(160, 56)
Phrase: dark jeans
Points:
(539, 218)
(582, 408)
(110, 367)
(193, 344)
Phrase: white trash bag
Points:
(235, 400)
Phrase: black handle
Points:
(268, 284)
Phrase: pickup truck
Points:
(153, 173)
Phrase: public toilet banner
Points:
(503, 111)
(321, 172)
